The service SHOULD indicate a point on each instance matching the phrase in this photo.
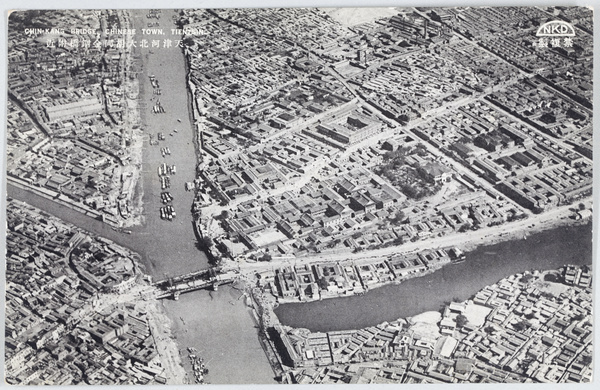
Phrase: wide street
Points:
(465, 241)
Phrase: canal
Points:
(484, 266)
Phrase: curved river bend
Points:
(484, 266)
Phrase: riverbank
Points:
(167, 348)
(483, 266)
(135, 102)
(171, 245)
(466, 241)
(218, 325)
(432, 267)
(497, 329)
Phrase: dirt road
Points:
(466, 241)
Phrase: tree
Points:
(398, 241)
(464, 227)
(207, 241)
(586, 360)
(578, 317)
(581, 206)
(461, 321)
(323, 283)
(398, 217)
(420, 149)
(551, 278)
(188, 41)
(266, 257)
(526, 278)
(215, 260)
(529, 316)
(521, 325)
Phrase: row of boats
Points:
(165, 151)
(165, 182)
(158, 108)
(164, 169)
(198, 365)
(154, 82)
(153, 13)
(121, 230)
(166, 197)
(168, 213)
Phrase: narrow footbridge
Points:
(175, 286)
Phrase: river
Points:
(170, 245)
(220, 326)
(215, 323)
(168, 248)
(484, 266)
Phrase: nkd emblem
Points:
(555, 28)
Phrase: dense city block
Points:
(295, 155)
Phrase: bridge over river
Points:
(175, 286)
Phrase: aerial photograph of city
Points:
(299, 196)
